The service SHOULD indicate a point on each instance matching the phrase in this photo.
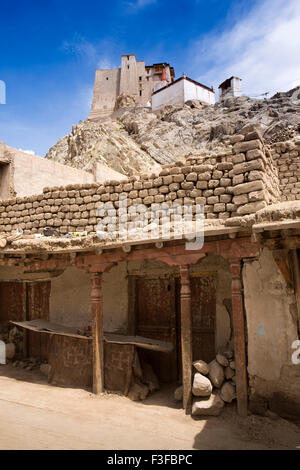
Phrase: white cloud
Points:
(30, 152)
(262, 48)
(138, 4)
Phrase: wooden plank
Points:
(186, 338)
(43, 326)
(140, 341)
(239, 338)
(97, 333)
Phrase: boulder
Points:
(216, 374)
(45, 369)
(138, 392)
(222, 360)
(201, 366)
(150, 377)
(202, 386)
(10, 350)
(209, 407)
(227, 392)
(228, 353)
(178, 394)
(232, 365)
(229, 373)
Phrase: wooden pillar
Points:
(239, 337)
(186, 337)
(296, 273)
(97, 332)
(25, 318)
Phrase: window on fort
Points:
(147, 79)
(140, 92)
(106, 78)
(140, 79)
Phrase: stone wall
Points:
(286, 157)
(232, 184)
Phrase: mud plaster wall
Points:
(271, 327)
(115, 299)
(70, 299)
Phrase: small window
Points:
(128, 67)
(140, 79)
(140, 92)
(147, 79)
(106, 78)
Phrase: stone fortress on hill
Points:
(138, 84)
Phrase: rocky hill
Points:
(137, 140)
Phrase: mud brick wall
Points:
(286, 156)
(254, 176)
(71, 361)
(117, 364)
(238, 183)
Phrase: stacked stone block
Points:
(227, 185)
(254, 175)
(286, 156)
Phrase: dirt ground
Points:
(35, 415)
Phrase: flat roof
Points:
(226, 82)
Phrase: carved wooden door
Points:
(203, 291)
(155, 314)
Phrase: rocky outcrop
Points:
(137, 140)
(107, 143)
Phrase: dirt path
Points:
(35, 415)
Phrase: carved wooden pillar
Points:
(239, 337)
(186, 337)
(97, 332)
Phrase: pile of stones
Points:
(213, 385)
(29, 363)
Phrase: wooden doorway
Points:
(21, 301)
(155, 317)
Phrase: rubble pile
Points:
(213, 385)
(144, 380)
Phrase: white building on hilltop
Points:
(230, 87)
(181, 90)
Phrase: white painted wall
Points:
(179, 93)
(196, 92)
(173, 94)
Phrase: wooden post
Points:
(296, 272)
(239, 337)
(186, 337)
(97, 332)
(25, 318)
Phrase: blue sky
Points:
(51, 48)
